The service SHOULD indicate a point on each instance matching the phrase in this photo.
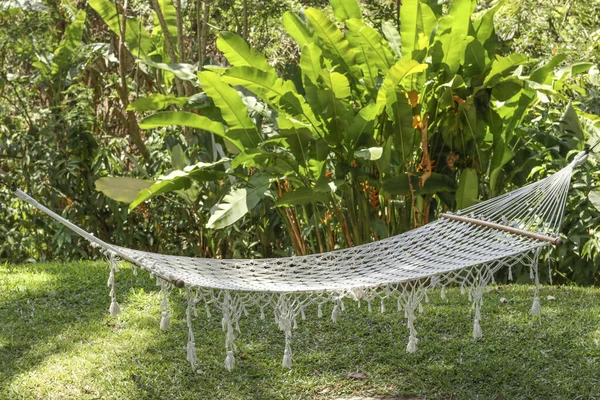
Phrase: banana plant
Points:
(378, 131)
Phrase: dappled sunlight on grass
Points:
(70, 348)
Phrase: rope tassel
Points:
(477, 334)
(409, 311)
(229, 361)
(335, 314)
(287, 357)
(412, 344)
(114, 308)
(165, 321)
(192, 355)
(536, 307)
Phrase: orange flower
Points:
(417, 124)
(413, 97)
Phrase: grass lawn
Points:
(57, 341)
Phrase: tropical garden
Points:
(248, 129)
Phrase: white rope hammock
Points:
(463, 249)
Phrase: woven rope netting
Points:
(463, 249)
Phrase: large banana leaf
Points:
(502, 66)
(371, 55)
(297, 29)
(400, 184)
(174, 181)
(338, 114)
(311, 63)
(121, 189)
(185, 118)
(468, 189)
(460, 11)
(502, 155)
(397, 76)
(71, 40)
(362, 35)
(417, 22)
(298, 137)
(476, 59)
(346, 9)
(251, 158)
(393, 38)
(238, 202)
(362, 124)
(404, 134)
(233, 110)
(239, 54)
(138, 41)
(279, 94)
(333, 40)
(156, 102)
(483, 27)
(170, 15)
(186, 72)
(302, 196)
(337, 83)
(543, 74)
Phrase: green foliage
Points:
(121, 188)
(350, 122)
(138, 39)
(363, 130)
(238, 202)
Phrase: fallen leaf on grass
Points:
(550, 298)
(503, 300)
(357, 375)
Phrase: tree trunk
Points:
(133, 129)
(204, 37)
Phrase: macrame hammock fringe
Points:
(464, 249)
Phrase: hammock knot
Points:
(579, 160)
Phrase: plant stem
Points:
(168, 42)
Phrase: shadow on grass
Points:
(51, 314)
(40, 302)
(56, 316)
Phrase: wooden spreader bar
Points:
(545, 238)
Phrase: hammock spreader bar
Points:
(556, 241)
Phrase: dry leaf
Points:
(324, 391)
(550, 298)
(503, 300)
(357, 375)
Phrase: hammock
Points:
(463, 249)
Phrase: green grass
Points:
(57, 341)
